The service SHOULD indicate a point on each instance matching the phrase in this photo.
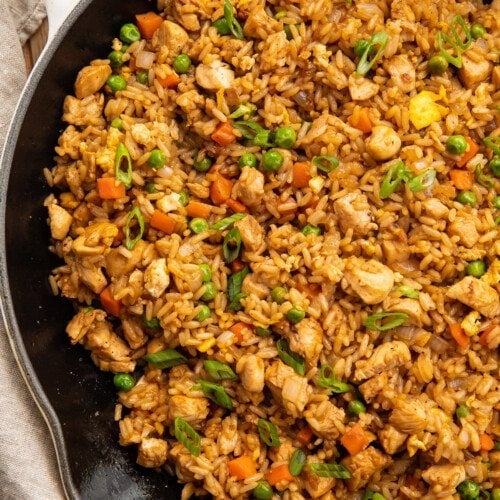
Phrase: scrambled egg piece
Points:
(424, 110)
(492, 275)
(470, 323)
(414, 444)
(106, 158)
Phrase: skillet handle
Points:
(57, 12)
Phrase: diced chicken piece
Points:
(252, 233)
(192, 103)
(156, 278)
(466, 230)
(308, 340)
(411, 307)
(172, 36)
(60, 221)
(187, 277)
(410, 414)
(391, 439)
(91, 78)
(152, 452)
(288, 387)
(395, 251)
(371, 280)
(325, 419)
(492, 275)
(362, 88)
(476, 294)
(383, 143)
(83, 112)
(95, 240)
(251, 371)
(446, 476)
(402, 72)
(259, 24)
(250, 186)
(214, 76)
(83, 322)
(473, 72)
(91, 275)
(435, 208)
(141, 134)
(273, 54)
(353, 212)
(373, 387)
(315, 485)
(192, 410)
(386, 356)
(117, 264)
(228, 438)
(364, 465)
(252, 286)
(133, 332)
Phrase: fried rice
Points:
(279, 226)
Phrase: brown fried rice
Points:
(324, 249)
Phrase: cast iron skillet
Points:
(76, 399)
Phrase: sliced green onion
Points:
(268, 433)
(422, 181)
(264, 139)
(482, 178)
(377, 321)
(455, 60)
(325, 163)
(232, 245)
(216, 393)
(328, 380)
(234, 285)
(218, 370)
(136, 214)
(408, 291)
(297, 462)
(248, 129)
(396, 174)
(123, 165)
(165, 359)
(234, 25)
(187, 436)
(151, 188)
(206, 272)
(244, 110)
(379, 39)
(227, 221)
(458, 21)
(493, 142)
(291, 358)
(262, 332)
(153, 323)
(330, 470)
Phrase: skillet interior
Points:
(76, 399)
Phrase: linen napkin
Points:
(28, 468)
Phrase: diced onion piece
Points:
(144, 59)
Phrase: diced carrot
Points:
(198, 209)
(224, 134)
(110, 304)
(305, 435)
(148, 23)
(462, 179)
(483, 338)
(169, 81)
(239, 328)
(237, 266)
(236, 206)
(163, 222)
(459, 335)
(109, 189)
(486, 442)
(278, 474)
(355, 439)
(301, 174)
(473, 148)
(241, 467)
(360, 119)
(220, 189)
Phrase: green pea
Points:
(222, 26)
(310, 229)
(198, 225)
(117, 123)
(116, 58)
(372, 495)
(203, 164)
(462, 411)
(263, 491)
(124, 48)
(183, 198)
(157, 159)
(495, 166)
(182, 63)
(247, 160)
(278, 294)
(456, 144)
(476, 268)
(206, 272)
(468, 490)
(466, 198)
(356, 407)
(496, 202)
(204, 313)
(116, 83)
(295, 315)
(142, 77)
(123, 381)
(210, 292)
(272, 160)
(437, 65)
(262, 139)
(477, 31)
(285, 137)
(129, 33)
(262, 332)
(151, 188)
(360, 46)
